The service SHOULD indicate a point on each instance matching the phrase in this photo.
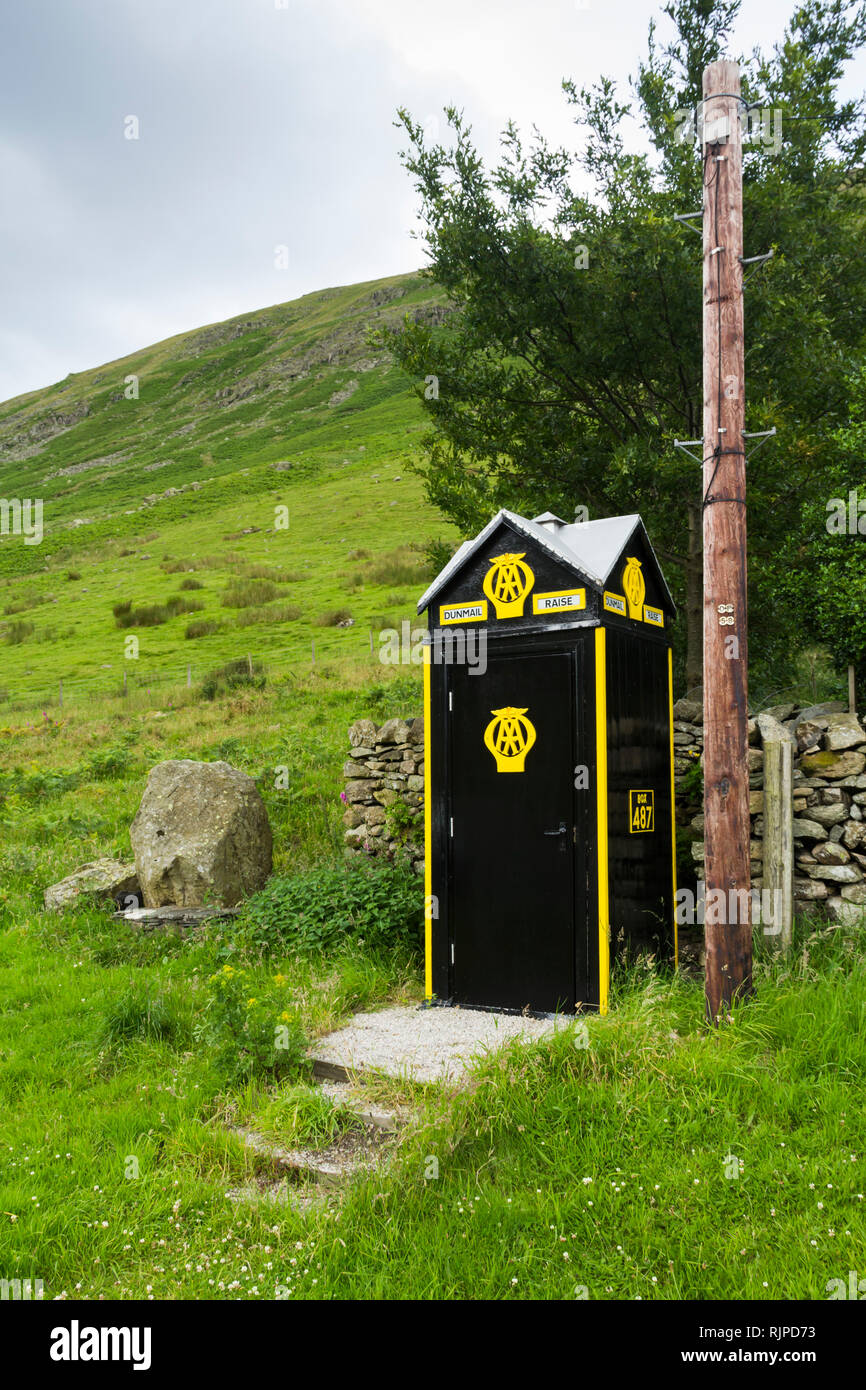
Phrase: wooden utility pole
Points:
(726, 779)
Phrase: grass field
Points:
(647, 1157)
(291, 506)
(562, 1168)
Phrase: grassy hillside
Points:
(286, 415)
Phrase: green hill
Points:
(263, 459)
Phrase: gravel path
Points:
(425, 1044)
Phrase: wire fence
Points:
(128, 681)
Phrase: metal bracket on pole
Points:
(758, 434)
(684, 443)
(684, 218)
(756, 261)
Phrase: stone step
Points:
(330, 1167)
(371, 1115)
(279, 1194)
(181, 916)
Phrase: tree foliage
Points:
(572, 359)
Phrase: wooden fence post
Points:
(779, 839)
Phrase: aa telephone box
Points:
(549, 814)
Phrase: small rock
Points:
(834, 873)
(106, 879)
(843, 731)
(810, 890)
(397, 731)
(830, 853)
(808, 830)
(363, 732)
(689, 710)
(834, 765)
(828, 815)
(847, 914)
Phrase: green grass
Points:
(104, 1059)
(562, 1167)
(270, 543)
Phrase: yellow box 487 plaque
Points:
(641, 812)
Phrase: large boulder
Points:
(201, 836)
(104, 879)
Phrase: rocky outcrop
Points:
(201, 836)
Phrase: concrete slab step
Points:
(350, 1154)
(280, 1194)
(371, 1115)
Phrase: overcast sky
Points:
(262, 123)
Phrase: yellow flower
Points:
(284, 1017)
(250, 1003)
(281, 979)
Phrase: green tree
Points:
(824, 580)
(572, 357)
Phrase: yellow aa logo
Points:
(634, 585)
(509, 737)
(507, 584)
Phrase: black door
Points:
(513, 882)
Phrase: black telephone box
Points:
(549, 811)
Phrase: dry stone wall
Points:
(829, 791)
(383, 797)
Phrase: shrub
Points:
(18, 632)
(403, 566)
(192, 584)
(250, 1028)
(73, 574)
(332, 618)
(149, 615)
(377, 905)
(153, 614)
(21, 605)
(271, 572)
(278, 613)
(233, 676)
(108, 764)
(140, 1012)
(176, 605)
(249, 593)
(203, 627)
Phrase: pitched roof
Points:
(591, 548)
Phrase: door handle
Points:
(561, 831)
